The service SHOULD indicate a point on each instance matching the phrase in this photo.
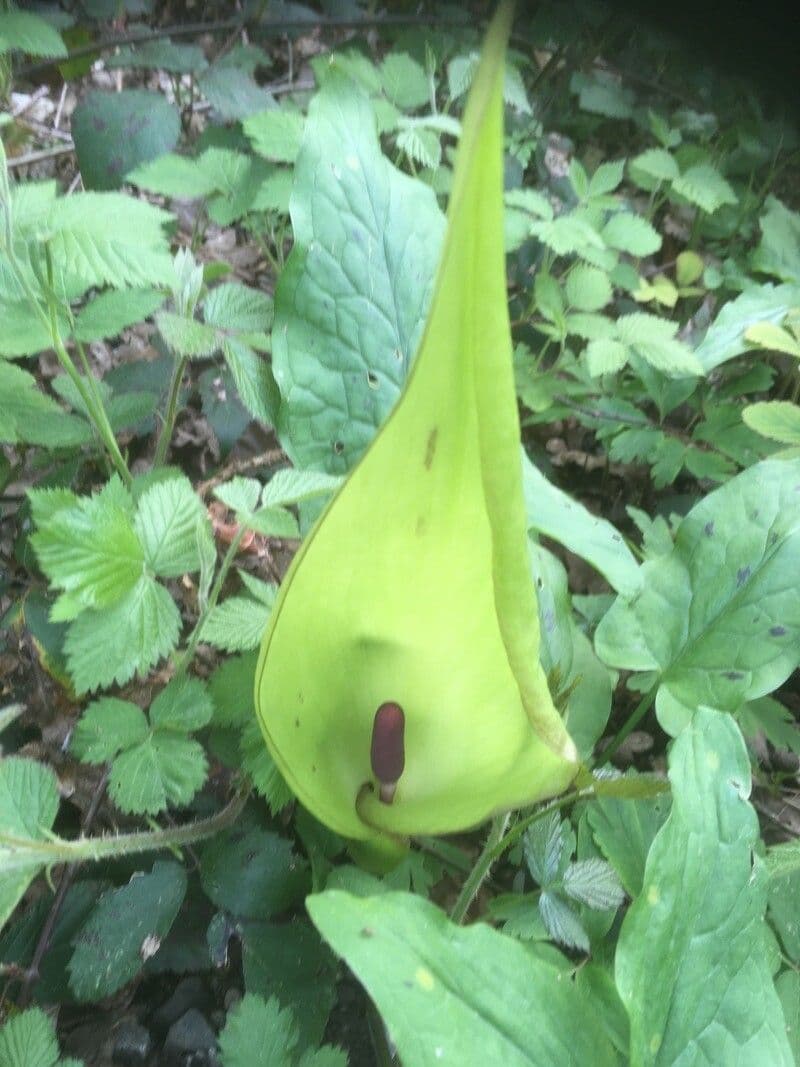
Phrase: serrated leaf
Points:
(23, 334)
(187, 336)
(587, 288)
(164, 769)
(274, 192)
(115, 132)
(593, 882)
(23, 31)
(173, 175)
(606, 178)
(632, 234)
(520, 915)
(110, 313)
(183, 704)
(562, 923)
(106, 727)
(347, 191)
(233, 92)
(238, 309)
(654, 340)
(29, 1038)
(231, 689)
(703, 185)
(779, 420)
(168, 516)
(291, 486)
(108, 239)
(258, 1031)
(691, 962)
(240, 494)
(28, 805)
(254, 382)
(605, 356)
(488, 1007)
(236, 624)
(404, 81)
(772, 337)
(460, 72)
(268, 781)
(545, 843)
(91, 550)
(114, 943)
(274, 522)
(253, 873)
(655, 163)
(276, 134)
(420, 144)
(736, 638)
(111, 645)
(568, 235)
(27, 414)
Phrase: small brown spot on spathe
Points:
(430, 447)
(338, 447)
(297, 722)
(419, 528)
(741, 576)
(733, 676)
(777, 631)
(708, 529)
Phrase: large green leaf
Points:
(719, 617)
(115, 132)
(459, 996)
(691, 962)
(351, 301)
(126, 929)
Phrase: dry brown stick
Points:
(239, 466)
(37, 157)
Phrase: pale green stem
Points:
(480, 872)
(96, 413)
(23, 853)
(171, 412)
(187, 655)
(630, 724)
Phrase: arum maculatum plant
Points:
(399, 686)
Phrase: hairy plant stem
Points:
(480, 872)
(23, 853)
(90, 398)
(171, 412)
(187, 655)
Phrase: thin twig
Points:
(239, 466)
(37, 157)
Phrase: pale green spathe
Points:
(414, 586)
